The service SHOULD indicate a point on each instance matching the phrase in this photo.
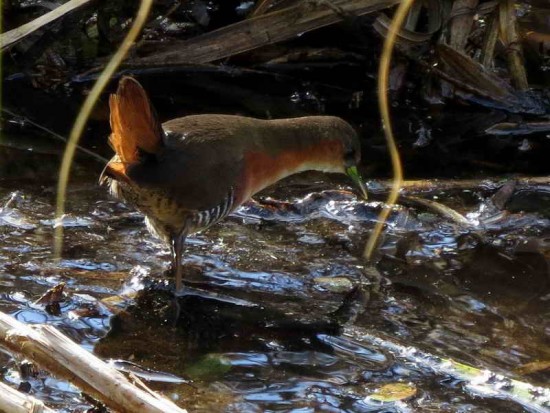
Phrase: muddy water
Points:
(279, 312)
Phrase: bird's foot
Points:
(191, 274)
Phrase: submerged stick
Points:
(533, 398)
(55, 135)
(56, 353)
(14, 401)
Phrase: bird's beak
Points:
(353, 173)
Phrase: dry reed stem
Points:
(462, 15)
(383, 84)
(82, 118)
(512, 42)
(14, 401)
(489, 42)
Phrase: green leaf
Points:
(393, 392)
(208, 368)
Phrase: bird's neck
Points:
(262, 169)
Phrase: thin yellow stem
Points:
(383, 82)
(1, 62)
(83, 116)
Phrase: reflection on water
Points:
(262, 325)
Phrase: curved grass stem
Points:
(383, 82)
(83, 116)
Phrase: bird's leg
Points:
(177, 252)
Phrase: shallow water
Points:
(279, 312)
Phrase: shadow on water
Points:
(278, 305)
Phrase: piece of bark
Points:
(13, 401)
(11, 37)
(262, 30)
(53, 296)
(47, 347)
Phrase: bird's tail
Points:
(135, 127)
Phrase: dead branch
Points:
(262, 30)
(11, 37)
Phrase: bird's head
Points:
(351, 159)
(350, 153)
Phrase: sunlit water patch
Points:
(268, 320)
